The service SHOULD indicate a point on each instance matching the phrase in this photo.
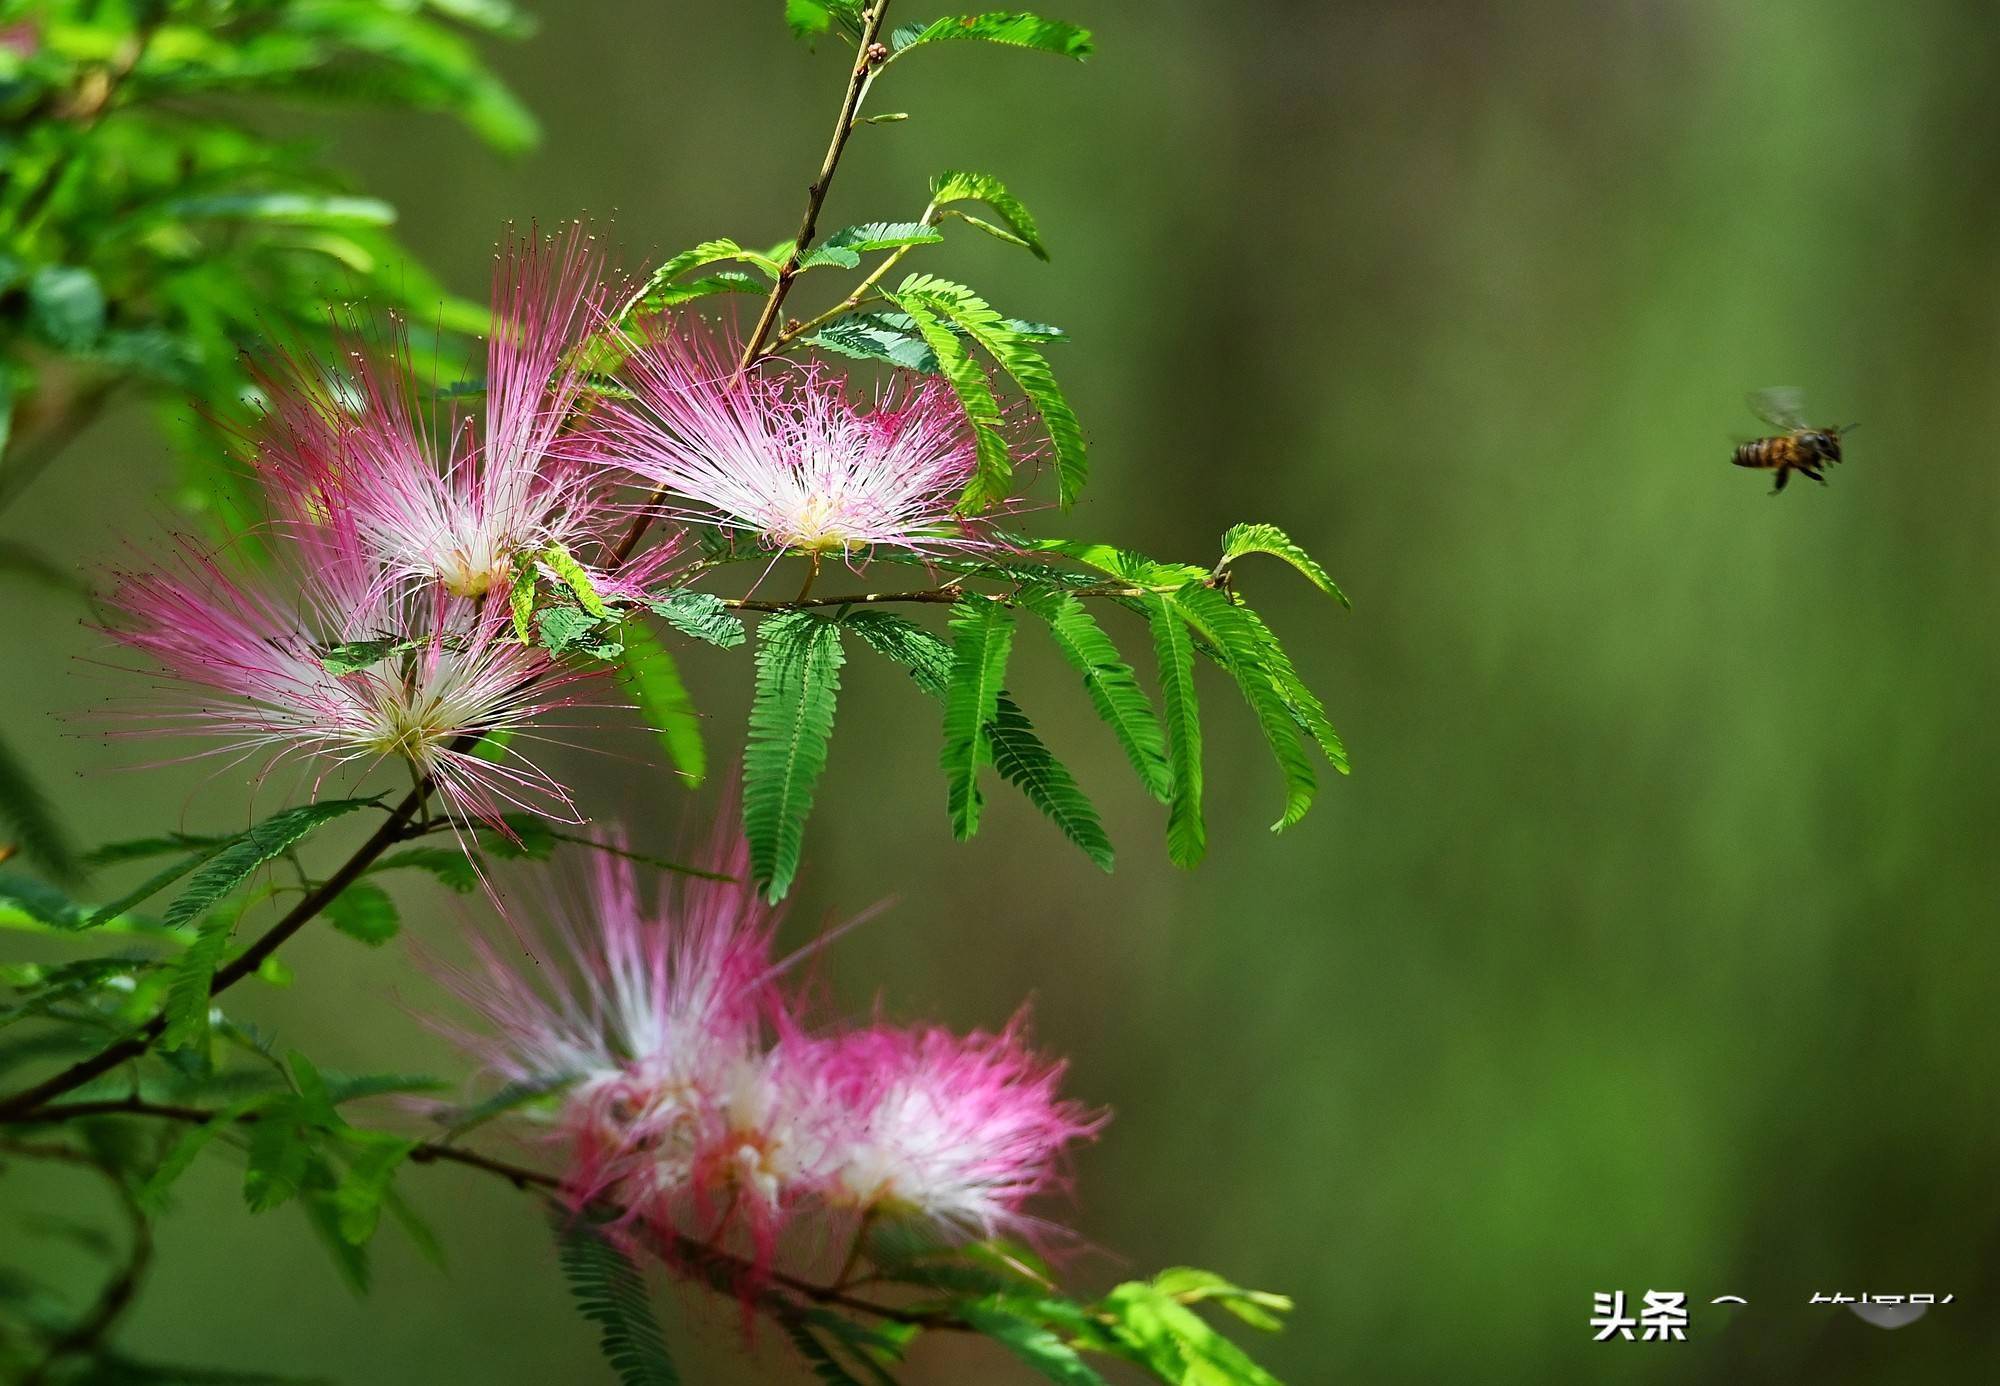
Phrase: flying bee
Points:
(1799, 448)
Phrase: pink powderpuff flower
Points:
(782, 452)
(658, 1027)
(446, 501)
(253, 663)
(963, 1130)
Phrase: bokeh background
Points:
(1651, 944)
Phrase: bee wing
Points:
(1782, 406)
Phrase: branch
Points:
(721, 1269)
(944, 596)
(391, 831)
(117, 1294)
(866, 64)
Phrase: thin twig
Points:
(87, 1332)
(722, 1267)
(388, 834)
(865, 66)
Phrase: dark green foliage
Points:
(791, 720)
(27, 815)
(453, 869)
(983, 634)
(701, 616)
(875, 337)
(154, 232)
(1024, 762)
(611, 1293)
(234, 864)
(1017, 753)
(509, 1098)
(824, 1364)
(648, 673)
(1030, 1341)
(356, 655)
(1187, 835)
(1113, 689)
(364, 911)
(522, 836)
(187, 1009)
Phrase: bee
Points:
(1800, 448)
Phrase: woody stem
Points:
(865, 67)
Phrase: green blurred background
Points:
(1650, 945)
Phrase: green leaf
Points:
(355, 655)
(155, 883)
(235, 863)
(152, 1195)
(507, 1099)
(1018, 754)
(571, 574)
(492, 746)
(995, 469)
(453, 869)
(811, 18)
(278, 1159)
(984, 632)
(372, 1162)
(825, 1366)
(140, 848)
(567, 629)
(27, 815)
(791, 720)
(1177, 1343)
(1024, 762)
(649, 674)
(1187, 837)
(521, 601)
(1221, 622)
(1019, 30)
(926, 657)
(870, 337)
(323, 1216)
(305, 209)
(611, 1293)
(846, 246)
(1255, 538)
(725, 282)
(1017, 356)
(1258, 1308)
(526, 838)
(66, 306)
(1034, 1344)
(656, 292)
(961, 186)
(365, 912)
(1113, 688)
(1301, 701)
(193, 981)
(1123, 564)
(700, 615)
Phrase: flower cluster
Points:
(404, 528)
(784, 453)
(696, 1097)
